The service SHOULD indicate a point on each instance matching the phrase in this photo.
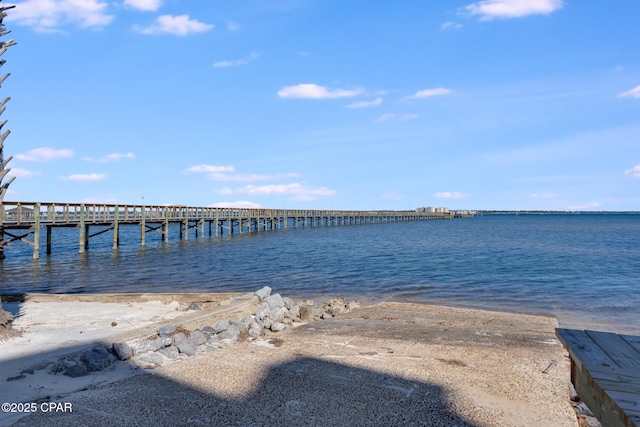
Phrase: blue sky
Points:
(320, 104)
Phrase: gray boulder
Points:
(232, 333)
(263, 293)
(150, 345)
(122, 350)
(151, 360)
(69, 367)
(198, 338)
(97, 358)
(238, 324)
(310, 313)
(274, 301)
(167, 330)
(222, 325)
(288, 303)
(277, 327)
(184, 344)
(171, 352)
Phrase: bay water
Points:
(582, 268)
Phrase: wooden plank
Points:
(622, 354)
(634, 341)
(582, 349)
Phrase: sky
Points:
(325, 104)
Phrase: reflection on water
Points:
(575, 266)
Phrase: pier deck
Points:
(605, 371)
(22, 221)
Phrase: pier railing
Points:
(32, 216)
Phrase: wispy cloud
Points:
(543, 195)
(144, 5)
(393, 196)
(44, 154)
(23, 173)
(48, 15)
(507, 9)
(233, 26)
(632, 93)
(396, 117)
(113, 157)
(449, 25)
(450, 195)
(365, 104)
(236, 204)
(180, 25)
(85, 177)
(428, 93)
(634, 171)
(224, 173)
(236, 62)
(314, 91)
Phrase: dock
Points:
(605, 371)
(24, 221)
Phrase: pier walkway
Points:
(23, 221)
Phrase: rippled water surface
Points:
(583, 268)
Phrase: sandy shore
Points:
(384, 364)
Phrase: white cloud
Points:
(409, 116)
(46, 15)
(634, 171)
(113, 157)
(450, 195)
(314, 91)
(365, 104)
(296, 191)
(583, 206)
(179, 25)
(225, 191)
(450, 26)
(543, 195)
(506, 9)
(85, 177)
(236, 62)
(44, 154)
(210, 169)
(427, 93)
(236, 204)
(23, 173)
(385, 117)
(632, 93)
(222, 173)
(146, 5)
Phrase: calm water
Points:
(585, 269)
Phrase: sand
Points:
(385, 364)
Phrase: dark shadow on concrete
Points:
(304, 392)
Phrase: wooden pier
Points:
(605, 371)
(24, 221)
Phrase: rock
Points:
(275, 301)
(122, 350)
(184, 344)
(277, 327)
(288, 303)
(221, 326)
(238, 324)
(171, 352)
(353, 305)
(267, 322)
(262, 311)
(69, 367)
(263, 293)
(17, 377)
(198, 338)
(255, 331)
(165, 341)
(97, 358)
(151, 360)
(193, 307)
(150, 345)
(166, 330)
(231, 333)
(309, 313)
(208, 331)
(293, 313)
(27, 371)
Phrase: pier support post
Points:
(82, 241)
(216, 221)
(143, 225)
(36, 232)
(116, 228)
(49, 239)
(165, 226)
